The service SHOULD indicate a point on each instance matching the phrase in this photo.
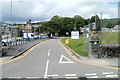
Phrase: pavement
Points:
(52, 59)
(18, 50)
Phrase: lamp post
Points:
(10, 27)
(11, 11)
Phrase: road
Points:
(51, 59)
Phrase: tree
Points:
(80, 22)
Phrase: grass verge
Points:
(76, 45)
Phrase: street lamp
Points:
(11, 11)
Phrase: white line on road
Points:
(49, 52)
(91, 74)
(93, 77)
(105, 73)
(32, 77)
(111, 76)
(15, 77)
(66, 60)
(71, 77)
(46, 69)
(53, 75)
(11, 77)
(70, 74)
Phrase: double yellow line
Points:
(24, 54)
(85, 62)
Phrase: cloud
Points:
(43, 10)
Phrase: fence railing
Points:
(15, 42)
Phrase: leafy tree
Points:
(80, 22)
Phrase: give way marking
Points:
(64, 59)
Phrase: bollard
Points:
(67, 41)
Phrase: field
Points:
(109, 38)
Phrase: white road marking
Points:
(70, 74)
(91, 74)
(67, 60)
(71, 77)
(11, 77)
(15, 77)
(93, 77)
(49, 52)
(46, 69)
(112, 76)
(18, 77)
(52, 76)
(105, 73)
(33, 77)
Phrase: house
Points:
(88, 28)
(105, 29)
(116, 28)
(28, 27)
(5, 28)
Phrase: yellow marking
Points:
(24, 54)
(81, 61)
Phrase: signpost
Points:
(74, 34)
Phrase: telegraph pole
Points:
(100, 27)
(95, 21)
(101, 22)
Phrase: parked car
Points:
(0, 45)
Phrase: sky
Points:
(43, 10)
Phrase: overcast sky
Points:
(44, 10)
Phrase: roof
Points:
(117, 27)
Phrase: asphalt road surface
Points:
(51, 59)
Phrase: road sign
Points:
(75, 35)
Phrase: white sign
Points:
(75, 35)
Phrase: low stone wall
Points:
(109, 50)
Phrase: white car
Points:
(6, 40)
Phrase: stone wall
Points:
(109, 50)
(105, 50)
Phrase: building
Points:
(116, 28)
(28, 27)
(105, 29)
(5, 30)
